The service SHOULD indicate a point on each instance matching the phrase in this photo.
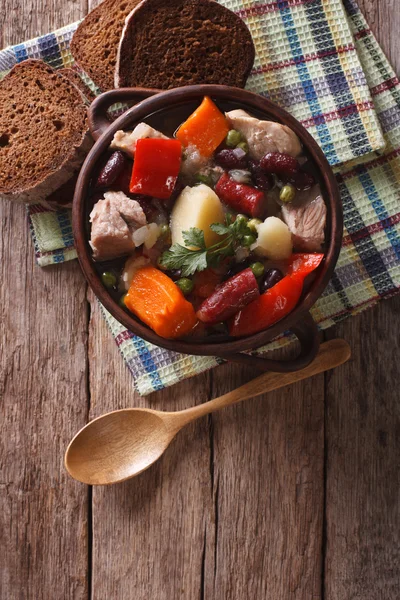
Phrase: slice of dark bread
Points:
(170, 43)
(43, 131)
(95, 43)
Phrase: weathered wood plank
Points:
(149, 533)
(363, 465)
(21, 20)
(268, 490)
(43, 402)
(43, 336)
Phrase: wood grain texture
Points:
(43, 398)
(362, 423)
(43, 401)
(268, 492)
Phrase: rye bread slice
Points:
(43, 131)
(171, 43)
(95, 43)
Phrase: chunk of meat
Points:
(306, 223)
(264, 136)
(114, 219)
(126, 140)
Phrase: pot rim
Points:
(182, 95)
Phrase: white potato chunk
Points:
(199, 207)
(274, 239)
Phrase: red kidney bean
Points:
(241, 197)
(262, 180)
(175, 274)
(229, 298)
(111, 170)
(231, 159)
(280, 164)
(271, 277)
(122, 182)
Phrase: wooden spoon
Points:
(123, 443)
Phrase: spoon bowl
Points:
(117, 446)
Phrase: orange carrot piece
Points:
(205, 129)
(158, 302)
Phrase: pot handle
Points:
(307, 333)
(97, 112)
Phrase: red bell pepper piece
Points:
(270, 307)
(278, 301)
(241, 197)
(156, 167)
(229, 298)
(304, 264)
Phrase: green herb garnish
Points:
(195, 256)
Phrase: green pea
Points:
(233, 138)
(164, 229)
(287, 193)
(244, 146)
(252, 224)
(241, 219)
(108, 278)
(121, 301)
(202, 178)
(248, 240)
(257, 268)
(185, 284)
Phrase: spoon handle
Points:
(331, 354)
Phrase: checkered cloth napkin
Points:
(319, 60)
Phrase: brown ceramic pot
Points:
(299, 320)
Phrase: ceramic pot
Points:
(147, 102)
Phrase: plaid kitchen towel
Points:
(319, 60)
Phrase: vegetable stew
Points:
(207, 224)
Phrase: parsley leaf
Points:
(190, 261)
(195, 256)
(194, 237)
(219, 228)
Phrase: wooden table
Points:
(286, 497)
